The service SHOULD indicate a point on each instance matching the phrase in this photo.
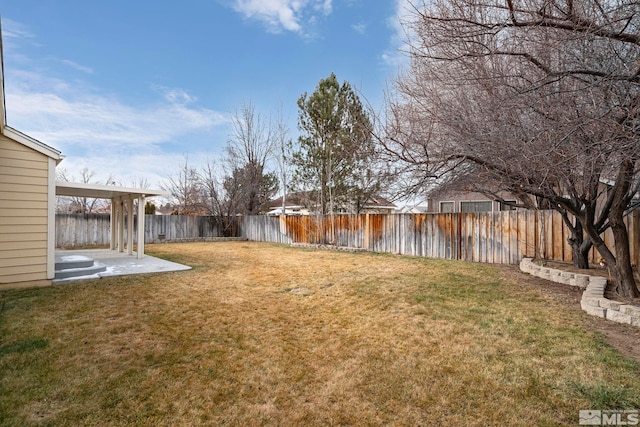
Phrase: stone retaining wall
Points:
(203, 239)
(328, 247)
(593, 300)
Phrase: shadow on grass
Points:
(25, 346)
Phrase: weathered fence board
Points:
(494, 237)
(76, 230)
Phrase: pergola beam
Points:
(120, 197)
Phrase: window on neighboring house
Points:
(508, 205)
(447, 207)
(477, 206)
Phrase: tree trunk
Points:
(626, 285)
(620, 264)
(581, 253)
(580, 244)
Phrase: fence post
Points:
(459, 237)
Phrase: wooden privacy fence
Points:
(76, 230)
(493, 237)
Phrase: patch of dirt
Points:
(300, 290)
(566, 266)
(610, 292)
(625, 338)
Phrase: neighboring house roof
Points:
(298, 210)
(292, 200)
(379, 202)
(416, 209)
(297, 200)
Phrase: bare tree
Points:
(213, 194)
(540, 98)
(220, 203)
(185, 187)
(248, 150)
(283, 146)
(141, 183)
(83, 205)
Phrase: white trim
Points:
(130, 226)
(32, 143)
(98, 191)
(3, 106)
(141, 203)
(112, 225)
(120, 224)
(51, 219)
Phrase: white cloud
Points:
(126, 170)
(77, 66)
(325, 7)
(13, 29)
(101, 131)
(68, 113)
(105, 134)
(395, 55)
(283, 15)
(175, 95)
(360, 28)
(93, 119)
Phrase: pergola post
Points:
(120, 224)
(120, 197)
(112, 222)
(141, 203)
(130, 226)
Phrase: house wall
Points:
(457, 197)
(25, 192)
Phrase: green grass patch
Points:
(23, 346)
(370, 340)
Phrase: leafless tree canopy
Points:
(186, 188)
(537, 97)
(251, 145)
(236, 184)
(82, 205)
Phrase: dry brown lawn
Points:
(262, 334)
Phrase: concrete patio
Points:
(118, 264)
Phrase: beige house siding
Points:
(25, 176)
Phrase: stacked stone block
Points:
(328, 247)
(593, 300)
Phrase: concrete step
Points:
(80, 271)
(70, 266)
(68, 262)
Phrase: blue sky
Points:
(128, 88)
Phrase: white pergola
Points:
(122, 199)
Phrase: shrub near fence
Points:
(493, 237)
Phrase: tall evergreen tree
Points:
(335, 146)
